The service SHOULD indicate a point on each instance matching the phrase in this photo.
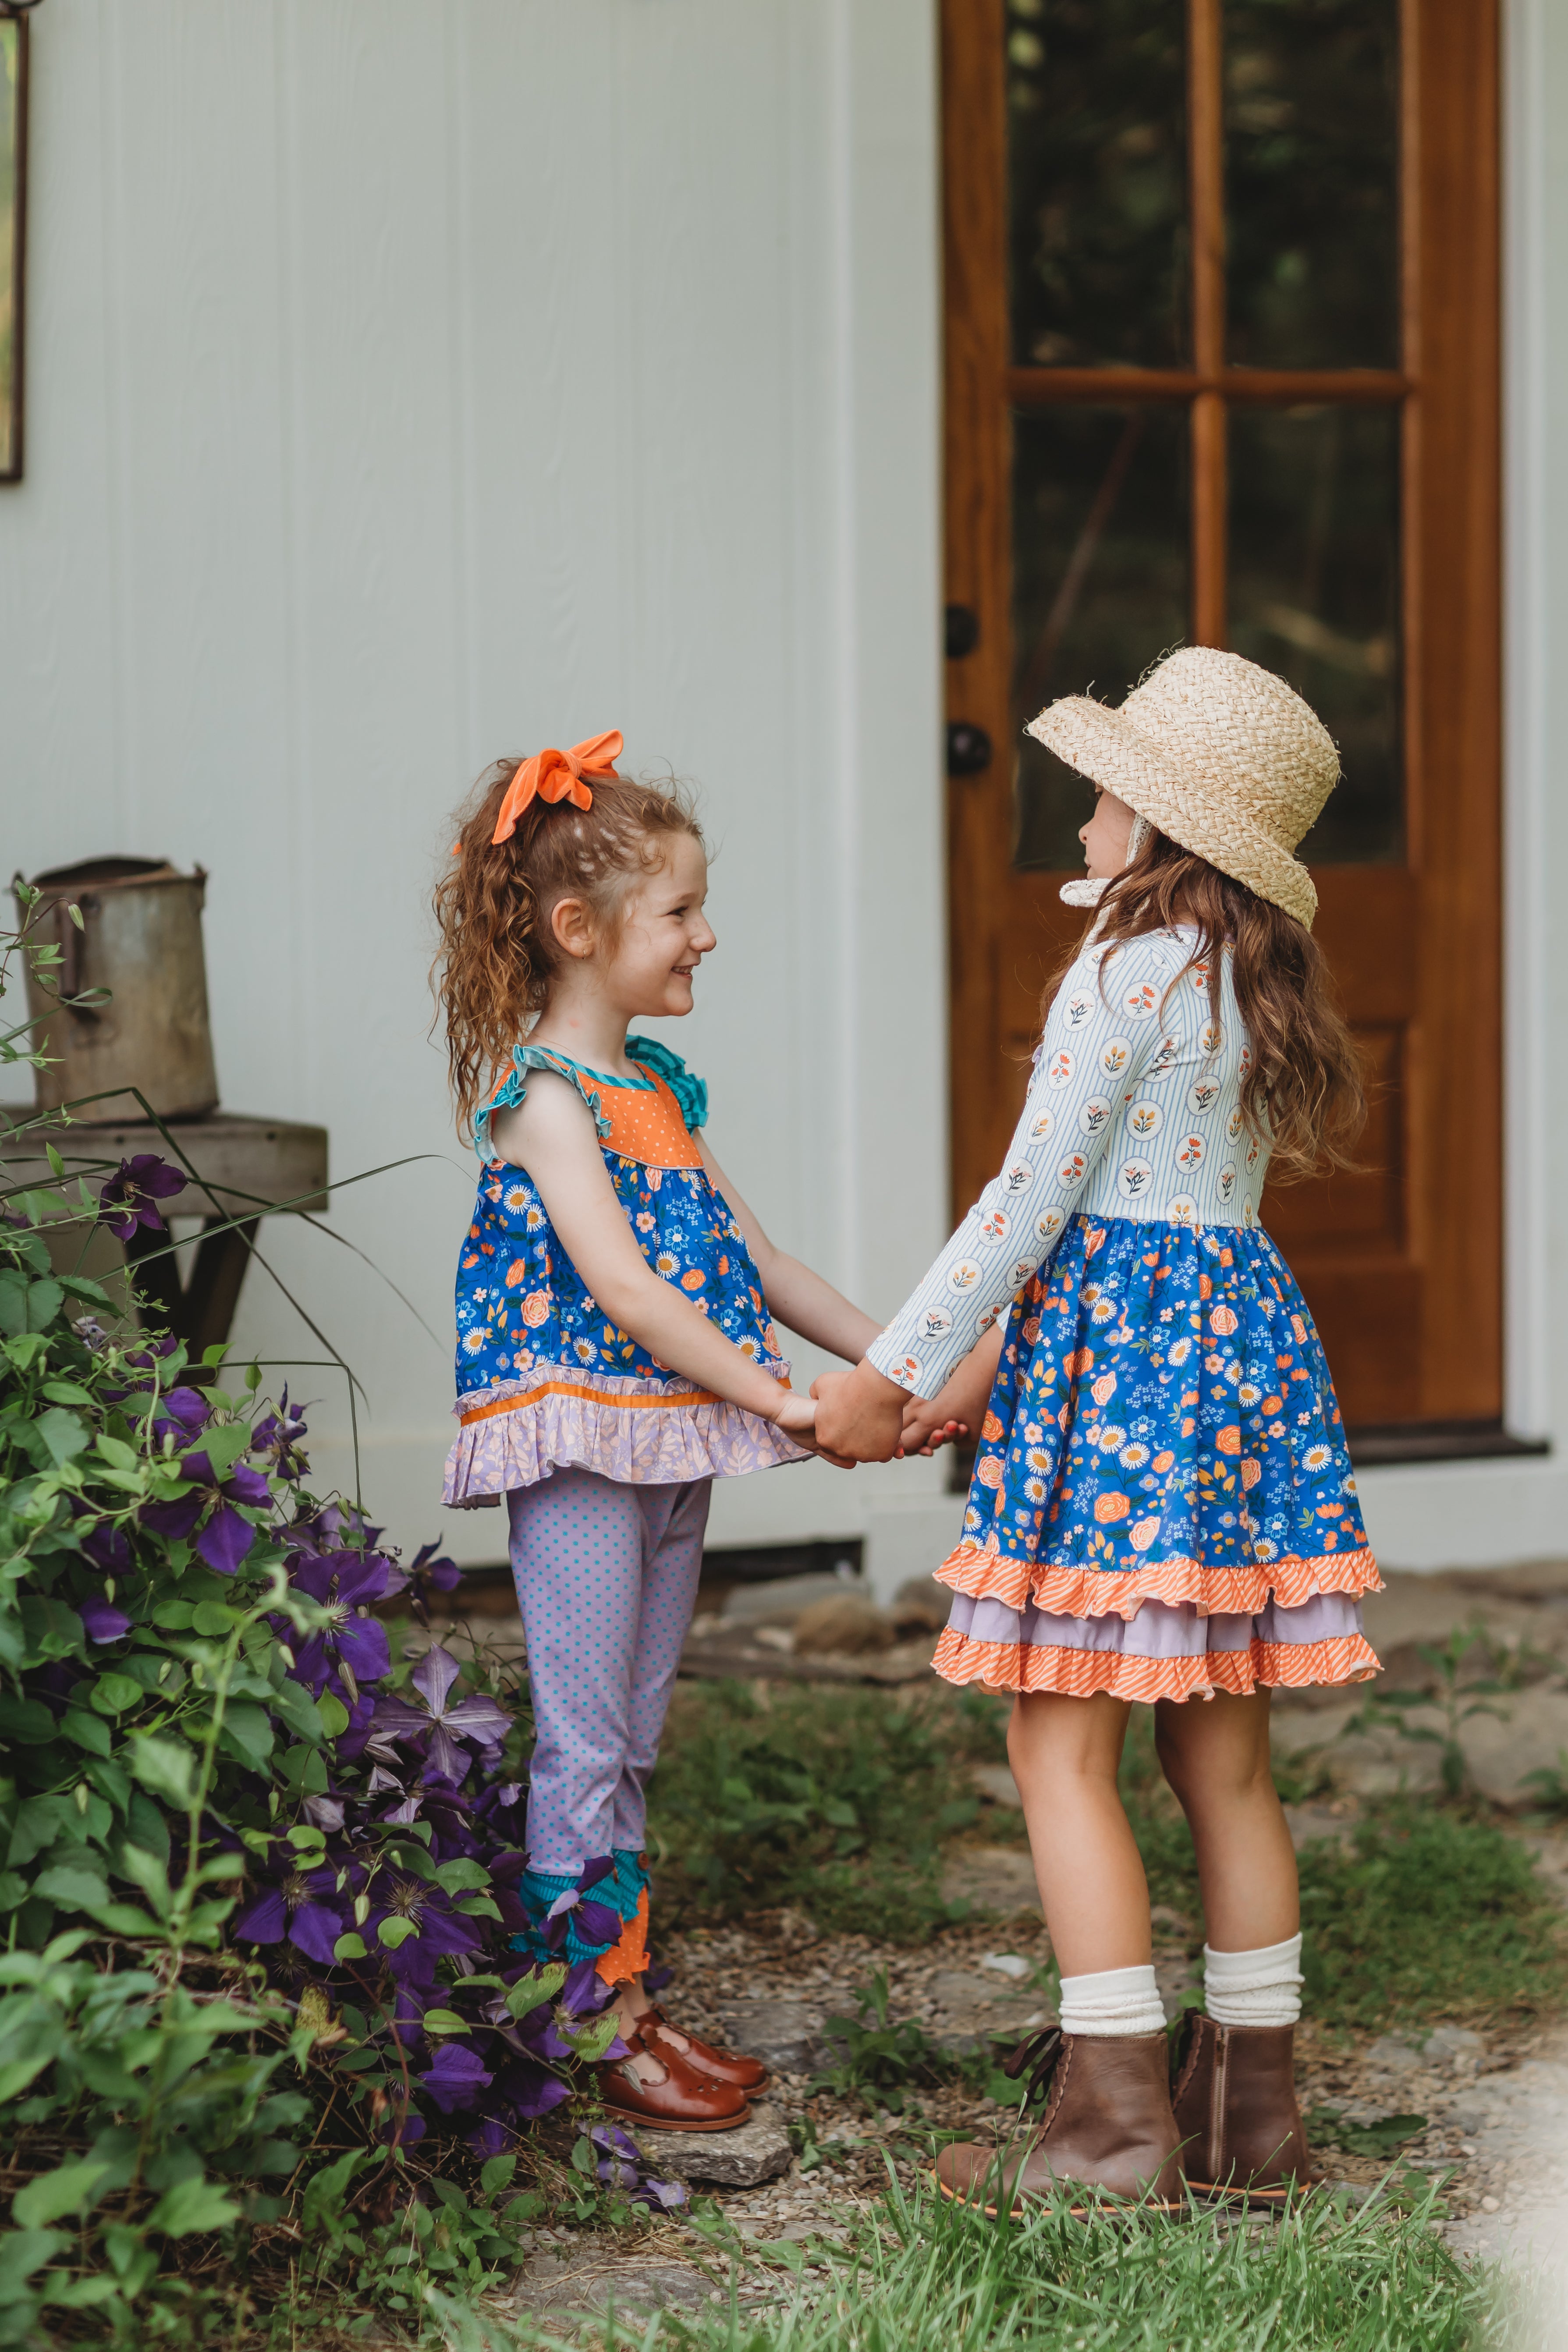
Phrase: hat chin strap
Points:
(1087, 893)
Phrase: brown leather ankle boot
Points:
(1235, 2103)
(1108, 2127)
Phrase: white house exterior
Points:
(411, 381)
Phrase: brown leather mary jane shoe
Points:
(1235, 2103)
(747, 2075)
(1108, 2127)
(681, 2100)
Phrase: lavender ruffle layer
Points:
(651, 1444)
(1161, 1629)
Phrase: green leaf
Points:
(446, 2021)
(395, 1931)
(191, 2205)
(589, 2043)
(120, 1919)
(14, 2080)
(89, 1731)
(529, 1992)
(165, 1767)
(496, 2175)
(26, 1720)
(39, 1823)
(247, 1735)
(325, 2191)
(147, 1871)
(22, 2251)
(54, 2194)
(63, 1434)
(213, 1618)
(334, 1715)
(28, 1306)
(116, 1453)
(92, 1294)
(67, 1392)
(461, 1876)
(224, 1444)
(112, 1694)
(350, 1947)
(77, 2293)
(76, 1888)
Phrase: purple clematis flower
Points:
(297, 1905)
(278, 1438)
(108, 1548)
(437, 1727)
(182, 1414)
(457, 2077)
(353, 1647)
(440, 1928)
(225, 1536)
(101, 1621)
(131, 1197)
(426, 1577)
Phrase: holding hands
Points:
(863, 1416)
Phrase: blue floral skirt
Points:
(1162, 1505)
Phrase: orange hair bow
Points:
(559, 776)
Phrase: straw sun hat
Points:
(1219, 755)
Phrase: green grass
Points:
(837, 1800)
(927, 2277)
(841, 1801)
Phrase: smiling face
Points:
(1106, 835)
(645, 967)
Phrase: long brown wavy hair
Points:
(1305, 1093)
(492, 970)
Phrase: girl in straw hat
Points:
(1163, 1509)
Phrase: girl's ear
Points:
(571, 925)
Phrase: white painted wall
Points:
(411, 381)
(416, 380)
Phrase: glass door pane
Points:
(1314, 596)
(1312, 160)
(1100, 585)
(1097, 163)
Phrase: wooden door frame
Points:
(1439, 976)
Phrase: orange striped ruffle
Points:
(1069, 1591)
(1080, 1674)
(514, 1401)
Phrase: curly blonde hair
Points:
(492, 970)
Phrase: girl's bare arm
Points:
(796, 1297)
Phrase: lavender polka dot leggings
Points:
(606, 1580)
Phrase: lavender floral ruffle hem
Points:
(642, 1433)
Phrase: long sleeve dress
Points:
(1162, 1505)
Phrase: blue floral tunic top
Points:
(544, 1379)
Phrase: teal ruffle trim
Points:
(690, 1092)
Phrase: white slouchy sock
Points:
(1112, 2001)
(1261, 1988)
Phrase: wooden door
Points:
(1222, 368)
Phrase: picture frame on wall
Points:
(12, 224)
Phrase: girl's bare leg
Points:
(1214, 1754)
(1064, 1753)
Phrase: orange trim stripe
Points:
(589, 1396)
(1083, 1673)
(1068, 1591)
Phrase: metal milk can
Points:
(141, 939)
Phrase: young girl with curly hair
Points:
(617, 1350)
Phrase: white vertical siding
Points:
(413, 380)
